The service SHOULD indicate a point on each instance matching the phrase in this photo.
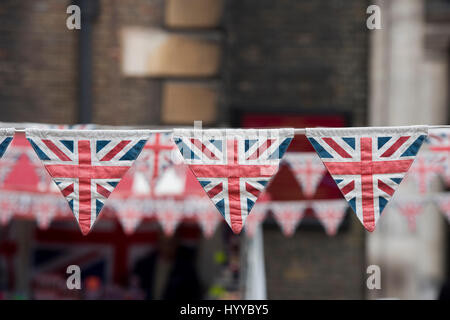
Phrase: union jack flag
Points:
(6, 135)
(289, 214)
(233, 165)
(426, 167)
(410, 208)
(368, 164)
(86, 165)
(439, 142)
(155, 157)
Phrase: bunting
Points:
(368, 164)
(439, 143)
(410, 208)
(330, 213)
(87, 165)
(288, 215)
(6, 136)
(233, 165)
(426, 167)
(130, 213)
(169, 216)
(308, 169)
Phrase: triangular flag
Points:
(169, 215)
(288, 214)
(6, 136)
(308, 169)
(330, 213)
(426, 167)
(233, 165)
(129, 213)
(368, 164)
(87, 165)
(410, 208)
(44, 211)
(439, 142)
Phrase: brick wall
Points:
(301, 54)
(39, 64)
(120, 100)
(37, 59)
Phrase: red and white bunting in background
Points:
(87, 165)
(308, 169)
(439, 142)
(130, 213)
(425, 168)
(443, 202)
(288, 214)
(169, 214)
(155, 158)
(410, 208)
(257, 217)
(368, 164)
(8, 203)
(330, 213)
(208, 221)
(45, 211)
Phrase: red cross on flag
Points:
(87, 165)
(410, 208)
(368, 164)
(439, 140)
(426, 167)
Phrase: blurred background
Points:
(228, 63)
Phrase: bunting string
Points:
(161, 174)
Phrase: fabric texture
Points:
(6, 136)
(368, 164)
(308, 169)
(233, 165)
(330, 213)
(87, 165)
(288, 215)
